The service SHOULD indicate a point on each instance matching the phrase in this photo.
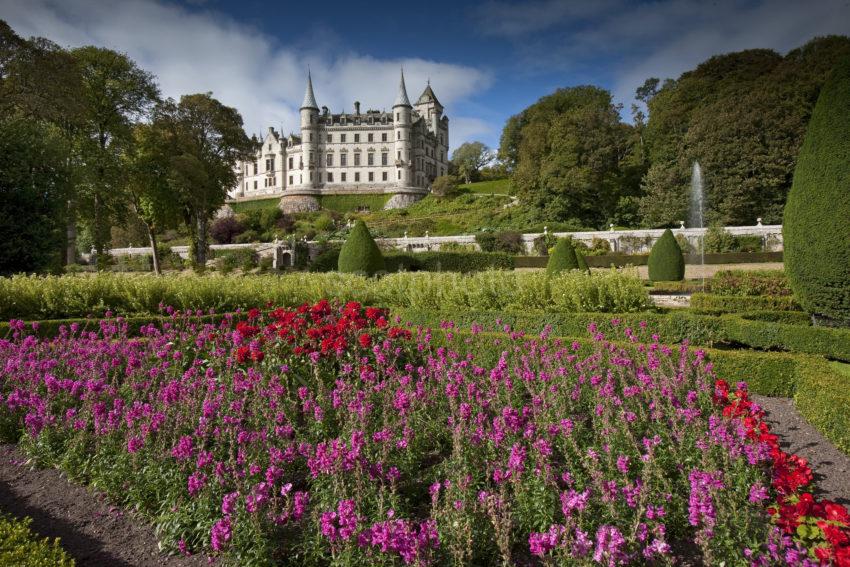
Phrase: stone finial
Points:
(545, 230)
(682, 224)
(611, 227)
(758, 221)
(405, 235)
(427, 235)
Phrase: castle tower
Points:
(310, 136)
(428, 106)
(301, 196)
(403, 142)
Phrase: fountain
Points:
(696, 217)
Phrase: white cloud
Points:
(192, 51)
(465, 129)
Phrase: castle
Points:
(396, 153)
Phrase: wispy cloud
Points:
(621, 42)
(199, 51)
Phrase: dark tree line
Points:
(86, 141)
(741, 115)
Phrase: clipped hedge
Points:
(360, 254)
(666, 262)
(52, 327)
(462, 262)
(622, 260)
(816, 222)
(749, 283)
(20, 547)
(823, 397)
(737, 304)
(563, 258)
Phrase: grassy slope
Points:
(498, 186)
(245, 206)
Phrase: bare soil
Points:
(92, 531)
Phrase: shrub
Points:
(247, 237)
(509, 242)
(360, 254)
(463, 262)
(599, 247)
(563, 257)
(736, 304)
(718, 240)
(244, 258)
(745, 282)
(326, 261)
(223, 230)
(816, 223)
(666, 262)
(445, 186)
(21, 547)
(582, 263)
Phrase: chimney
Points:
(357, 107)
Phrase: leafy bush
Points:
(563, 258)
(360, 254)
(749, 282)
(245, 259)
(462, 262)
(326, 260)
(224, 230)
(19, 546)
(133, 263)
(582, 263)
(247, 237)
(717, 240)
(817, 214)
(666, 262)
(509, 242)
(445, 186)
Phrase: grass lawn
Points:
(245, 206)
(841, 367)
(348, 203)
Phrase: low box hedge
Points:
(51, 327)
(738, 304)
(620, 260)
(463, 262)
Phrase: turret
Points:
(309, 136)
(403, 145)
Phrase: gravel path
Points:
(93, 532)
(831, 467)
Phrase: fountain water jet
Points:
(696, 218)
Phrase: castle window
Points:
(399, 174)
(330, 177)
(290, 180)
(310, 137)
(330, 138)
(255, 168)
(384, 137)
(290, 163)
(357, 158)
(330, 160)
(356, 176)
(356, 138)
(246, 186)
(342, 138)
(370, 159)
(310, 158)
(320, 177)
(342, 177)
(343, 160)
(384, 175)
(300, 162)
(397, 117)
(384, 158)
(371, 137)
(399, 156)
(398, 135)
(311, 176)
(270, 147)
(371, 176)
(255, 184)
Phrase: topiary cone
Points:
(666, 263)
(563, 257)
(360, 254)
(582, 263)
(816, 224)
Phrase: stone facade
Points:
(373, 152)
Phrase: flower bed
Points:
(330, 434)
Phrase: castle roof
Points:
(309, 97)
(401, 99)
(428, 96)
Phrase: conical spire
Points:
(401, 98)
(309, 97)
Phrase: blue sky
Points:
(486, 60)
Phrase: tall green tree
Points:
(742, 116)
(152, 199)
(469, 158)
(207, 140)
(116, 93)
(575, 158)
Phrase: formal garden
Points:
(455, 407)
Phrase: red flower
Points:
(242, 354)
(836, 512)
(365, 340)
(253, 314)
(257, 355)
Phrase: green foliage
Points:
(469, 158)
(582, 263)
(563, 258)
(743, 116)
(494, 186)
(19, 546)
(245, 259)
(326, 261)
(225, 229)
(360, 254)
(749, 282)
(461, 262)
(734, 304)
(666, 262)
(445, 186)
(817, 217)
(32, 194)
(509, 242)
(54, 297)
(823, 396)
(574, 157)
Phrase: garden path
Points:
(830, 465)
(92, 531)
